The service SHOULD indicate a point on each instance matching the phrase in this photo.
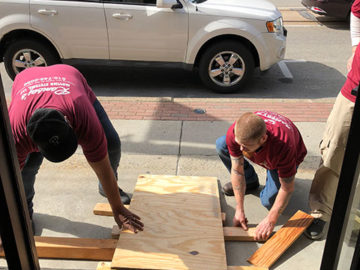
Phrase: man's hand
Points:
(240, 220)
(128, 221)
(264, 229)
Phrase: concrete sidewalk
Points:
(67, 192)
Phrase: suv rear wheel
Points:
(26, 53)
(226, 66)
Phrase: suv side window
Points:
(132, 2)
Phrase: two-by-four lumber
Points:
(74, 248)
(104, 209)
(107, 266)
(244, 268)
(230, 234)
(268, 253)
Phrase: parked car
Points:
(333, 8)
(223, 39)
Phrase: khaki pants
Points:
(332, 148)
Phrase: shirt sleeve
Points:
(91, 135)
(354, 29)
(287, 162)
(233, 146)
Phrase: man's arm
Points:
(239, 186)
(355, 37)
(265, 227)
(123, 217)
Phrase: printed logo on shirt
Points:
(272, 118)
(56, 85)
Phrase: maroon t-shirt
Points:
(284, 149)
(353, 77)
(59, 87)
(355, 8)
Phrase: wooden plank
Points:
(241, 268)
(104, 209)
(74, 248)
(183, 228)
(103, 266)
(238, 234)
(230, 234)
(268, 254)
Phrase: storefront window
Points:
(352, 231)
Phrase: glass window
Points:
(352, 232)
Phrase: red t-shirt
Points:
(284, 149)
(353, 77)
(355, 8)
(59, 87)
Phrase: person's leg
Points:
(251, 178)
(28, 173)
(113, 145)
(322, 193)
(271, 189)
(326, 179)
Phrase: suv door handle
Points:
(122, 16)
(49, 12)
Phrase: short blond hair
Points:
(249, 126)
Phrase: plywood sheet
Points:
(104, 209)
(183, 228)
(230, 234)
(267, 254)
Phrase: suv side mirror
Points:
(173, 4)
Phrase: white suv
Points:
(224, 39)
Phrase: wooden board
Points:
(238, 234)
(183, 228)
(103, 266)
(240, 268)
(107, 266)
(268, 254)
(230, 234)
(74, 248)
(104, 209)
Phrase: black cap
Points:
(54, 137)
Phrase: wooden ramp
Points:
(183, 227)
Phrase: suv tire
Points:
(226, 66)
(27, 53)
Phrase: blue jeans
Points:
(272, 186)
(34, 160)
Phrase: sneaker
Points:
(125, 197)
(251, 184)
(316, 230)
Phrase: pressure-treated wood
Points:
(267, 255)
(183, 228)
(74, 248)
(104, 209)
(230, 234)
